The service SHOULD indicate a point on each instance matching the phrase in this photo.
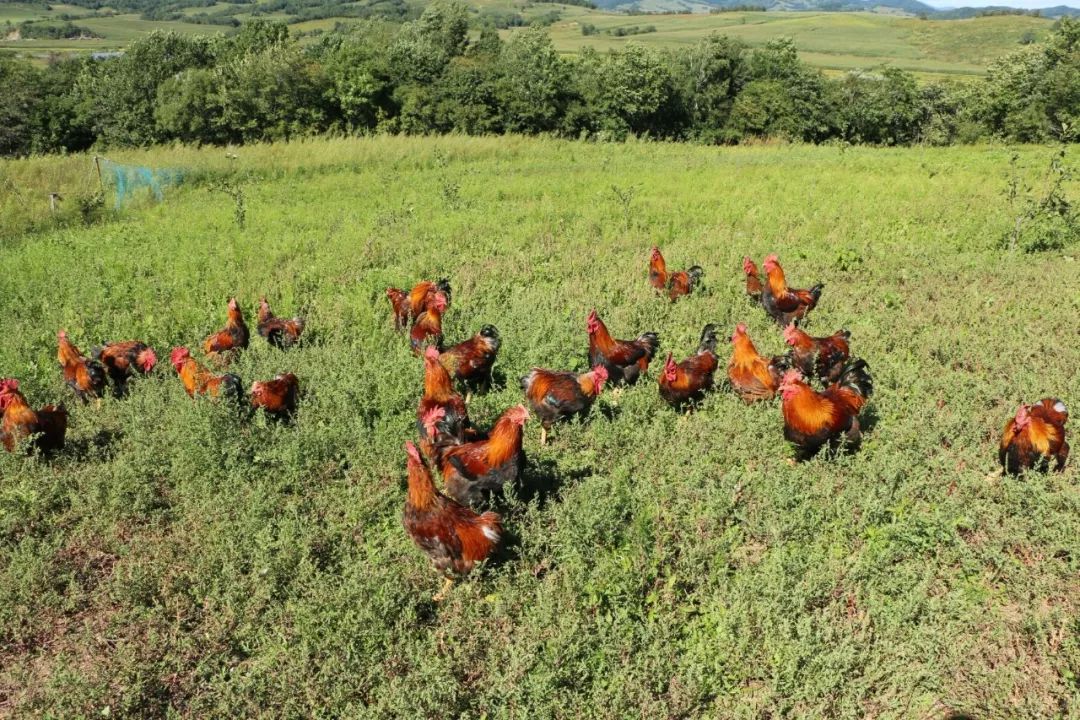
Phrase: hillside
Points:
(833, 41)
(178, 561)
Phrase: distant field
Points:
(835, 42)
(178, 562)
(832, 41)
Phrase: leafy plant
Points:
(1043, 216)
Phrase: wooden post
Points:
(97, 164)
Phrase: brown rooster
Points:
(753, 376)
(423, 295)
(814, 419)
(471, 361)
(233, 338)
(280, 332)
(428, 326)
(1035, 437)
(688, 381)
(624, 360)
(658, 276)
(454, 426)
(784, 304)
(122, 360)
(399, 303)
(198, 380)
(276, 397)
(682, 283)
(753, 279)
(556, 396)
(822, 357)
(84, 376)
(470, 469)
(47, 426)
(452, 535)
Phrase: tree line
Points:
(427, 76)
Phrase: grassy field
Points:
(835, 42)
(176, 562)
(831, 41)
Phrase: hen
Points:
(84, 376)
(47, 426)
(276, 397)
(753, 279)
(453, 536)
(1035, 437)
(471, 361)
(428, 326)
(688, 381)
(822, 357)
(556, 396)
(753, 376)
(454, 425)
(624, 360)
(122, 360)
(280, 332)
(198, 380)
(658, 276)
(784, 304)
(813, 419)
(423, 295)
(399, 303)
(683, 282)
(470, 469)
(234, 337)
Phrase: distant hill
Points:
(910, 7)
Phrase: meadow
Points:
(177, 562)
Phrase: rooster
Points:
(624, 360)
(784, 304)
(234, 337)
(198, 380)
(47, 426)
(399, 302)
(688, 381)
(454, 426)
(1035, 437)
(753, 279)
(471, 361)
(424, 294)
(658, 276)
(683, 282)
(276, 397)
(428, 326)
(470, 469)
(452, 535)
(84, 376)
(813, 419)
(822, 357)
(753, 376)
(122, 360)
(556, 396)
(279, 332)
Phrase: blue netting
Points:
(130, 180)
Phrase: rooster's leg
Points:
(441, 595)
(543, 435)
(468, 396)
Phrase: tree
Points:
(709, 77)
(18, 104)
(535, 83)
(635, 93)
(119, 95)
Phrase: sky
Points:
(1025, 4)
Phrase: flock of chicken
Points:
(473, 463)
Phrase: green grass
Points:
(177, 563)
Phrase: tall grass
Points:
(178, 562)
